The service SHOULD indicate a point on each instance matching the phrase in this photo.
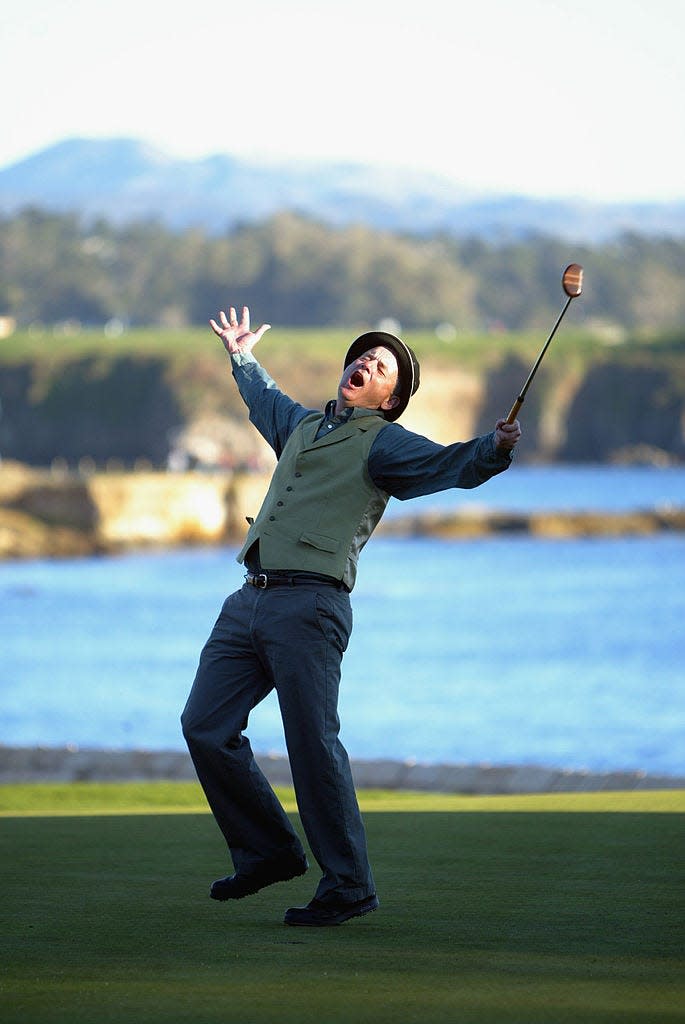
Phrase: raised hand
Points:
(237, 337)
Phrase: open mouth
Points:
(357, 379)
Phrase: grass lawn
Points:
(198, 339)
(547, 909)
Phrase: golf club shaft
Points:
(519, 401)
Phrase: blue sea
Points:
(501, 650)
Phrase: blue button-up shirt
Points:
(401, 463)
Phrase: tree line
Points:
(295, 271)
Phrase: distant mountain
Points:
(125, 180)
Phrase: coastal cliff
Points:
(104, 450)
(180, 409)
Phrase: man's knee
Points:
(204, 734)
(188, 726)
(195, 727)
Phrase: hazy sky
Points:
(542, 97)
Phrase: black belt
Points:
(262, 580)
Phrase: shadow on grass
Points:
(484, 917)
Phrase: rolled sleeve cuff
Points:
(239, 359)
(493, 457)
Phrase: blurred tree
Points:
(297, 271)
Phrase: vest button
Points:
(288, 488)
(280, 503)
(272, 518)
(298, 474)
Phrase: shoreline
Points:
(72, 764)
(24, 537)
(48, 515)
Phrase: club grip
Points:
(514, 410)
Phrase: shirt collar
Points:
(348, 414)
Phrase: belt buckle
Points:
(260, 580)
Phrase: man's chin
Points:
(350, 395)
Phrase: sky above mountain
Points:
(533, 97)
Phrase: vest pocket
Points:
(320, 541)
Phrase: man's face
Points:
(369, 381)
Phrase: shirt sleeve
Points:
(273, 413)
(407, 465)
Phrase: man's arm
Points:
(274, 414)
(408, 465)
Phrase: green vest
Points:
(321, 506)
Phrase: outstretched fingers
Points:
(236, 335)
(229, 322)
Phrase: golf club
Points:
(572, 283)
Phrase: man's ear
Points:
(389, 403)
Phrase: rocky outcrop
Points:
(43, 514)
(464, 525)
(48, 514)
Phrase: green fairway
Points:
(549, 908)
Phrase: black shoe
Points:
(234, 887)
(319, 914)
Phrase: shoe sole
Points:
(334, 922)
(224, 898)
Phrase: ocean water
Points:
(553, 488)
(502, 650)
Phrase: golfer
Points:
(288, 626)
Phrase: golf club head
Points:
(572, 280)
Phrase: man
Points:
(288, 626)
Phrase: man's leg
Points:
(303, 632)
(229, 683)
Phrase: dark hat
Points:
(408, 364)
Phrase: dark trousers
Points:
(291, 637)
